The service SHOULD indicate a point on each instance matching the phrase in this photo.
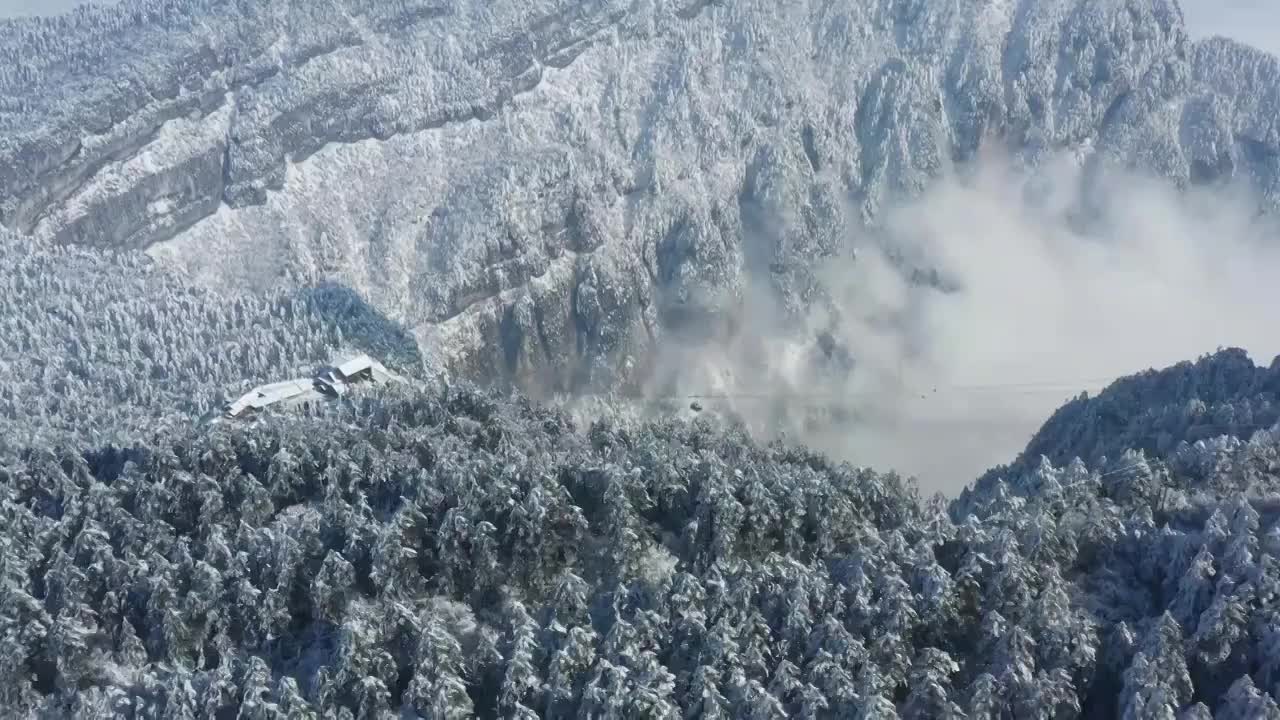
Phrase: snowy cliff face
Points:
(544, 190)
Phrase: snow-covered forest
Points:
(579, 198)
(107, 347)
(435, 553)
(459, 555)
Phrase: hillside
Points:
(1157, 414)
(542, 192)
(106, 347)
(458, 555)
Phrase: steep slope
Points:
(104, 347)
(545, 190)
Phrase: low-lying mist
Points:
(951, 331)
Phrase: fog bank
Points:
(1037, 287)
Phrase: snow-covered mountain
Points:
(548, 193)
(543, 190)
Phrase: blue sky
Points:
(1256, 22)
(35, 7)
(42, 7)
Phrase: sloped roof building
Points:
(328, 383)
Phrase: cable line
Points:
(1042, 386)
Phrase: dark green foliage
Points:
(459, 555)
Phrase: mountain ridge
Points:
(791, 136)
(1153, 416)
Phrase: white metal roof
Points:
(271, 394)
(302, 389)
(356, 365)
